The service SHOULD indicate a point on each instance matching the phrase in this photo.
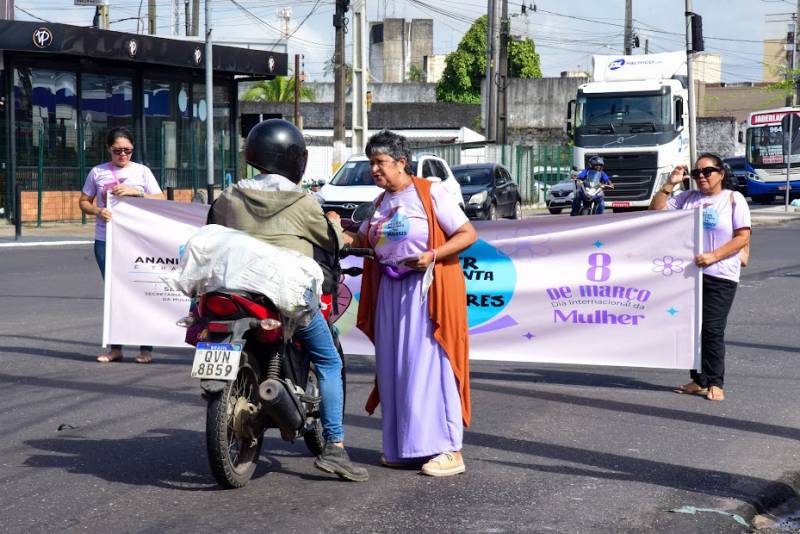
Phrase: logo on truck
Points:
(616, 64)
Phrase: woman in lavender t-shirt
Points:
(726, 231)
(121, 177)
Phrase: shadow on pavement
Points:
(569, 378)
(165, 458)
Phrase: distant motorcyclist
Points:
(272, 208)
(596, 164)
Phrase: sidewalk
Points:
(77, 233)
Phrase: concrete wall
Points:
(383, 115)
(393, 50)
(538, 103)
(381, 92)
(421, 42)
(736, 100)
(718, 135)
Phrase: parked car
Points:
(353, 183)
(741, 170)
(489, 192)
(560, 195)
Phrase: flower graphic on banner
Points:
(667, 265)
(519, 244)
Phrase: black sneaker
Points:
(335, 460)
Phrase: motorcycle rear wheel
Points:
(314, 439)
(232, 459)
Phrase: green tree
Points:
(329, 69)
(466, 66)
(279, 89)
(415, 74)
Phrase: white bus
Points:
(767, 146)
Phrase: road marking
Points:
(46, 244)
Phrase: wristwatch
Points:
(664, 190)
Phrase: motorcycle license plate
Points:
(216, 361)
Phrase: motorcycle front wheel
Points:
(231, 455)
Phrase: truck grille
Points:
(633, 175)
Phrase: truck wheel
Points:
(554, 211)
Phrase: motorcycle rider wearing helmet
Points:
(272, 208)
(596, 163)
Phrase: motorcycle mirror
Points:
(363, 212)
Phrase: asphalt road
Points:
(120, 447)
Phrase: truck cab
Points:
(634, 114)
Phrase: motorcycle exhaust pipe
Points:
(281, 405)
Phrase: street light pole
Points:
(209, 108)
(791, 114)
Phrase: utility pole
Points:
(151, 17)
(647, 46)
(187, 15)
(101, 17)
(360, 72)
(791, 103)
(196, 17)
(174, 15)
(502, 78)
(209, 107)
(490, 124)
(691, 41)
(628, 27)
(298, 80)
(339, 23)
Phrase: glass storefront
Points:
(106, 102)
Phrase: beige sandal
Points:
(110, 356)
(144, 357)
(715, 393)
(692, 388)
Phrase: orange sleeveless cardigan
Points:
(447, 305)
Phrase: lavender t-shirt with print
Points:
(723, 213)
(398, 229)
(105, 176)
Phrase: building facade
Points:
(63, 87)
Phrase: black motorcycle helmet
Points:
(276, 146)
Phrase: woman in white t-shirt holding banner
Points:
(726, 231)
(121, 177)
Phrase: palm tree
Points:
(329, 70)
(279, 89)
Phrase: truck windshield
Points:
(607, 113)
(767, 145)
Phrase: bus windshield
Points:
(610, 113)
(767, 145)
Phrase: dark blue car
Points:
(741, 170)
(489, 191)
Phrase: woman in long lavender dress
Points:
(418, 325)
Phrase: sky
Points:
(566, 32)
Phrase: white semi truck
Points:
(633, 113)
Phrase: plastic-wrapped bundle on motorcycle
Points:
(217, 257)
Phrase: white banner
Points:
(143, 242)
(616, 289)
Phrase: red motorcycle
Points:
(254, 377)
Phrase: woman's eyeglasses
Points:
(121, 151)
(705, 171)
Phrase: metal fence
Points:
(534, 168)
(53, 163)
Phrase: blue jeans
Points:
(577, 201)
(318, 343)
(100, 257)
